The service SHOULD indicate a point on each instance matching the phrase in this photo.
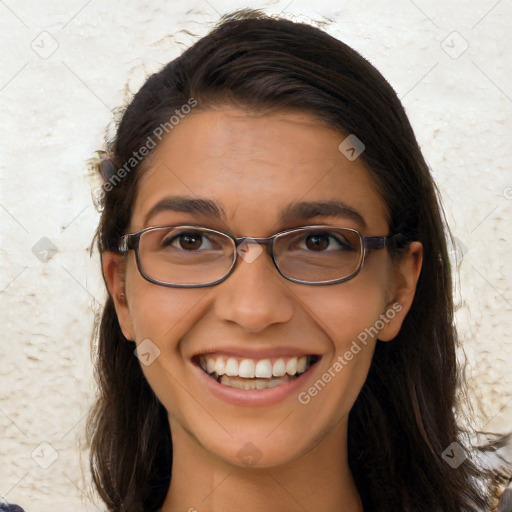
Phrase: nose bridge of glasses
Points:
(253, 240)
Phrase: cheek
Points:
(347, 314)
(346, 310)
(161, 317)
(161, 313)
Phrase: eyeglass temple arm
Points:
(128, 242)
(380, 242)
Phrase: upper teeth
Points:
(250, 368)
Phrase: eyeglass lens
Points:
(186, 255)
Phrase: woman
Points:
(274, 252)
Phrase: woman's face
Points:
(253, 168)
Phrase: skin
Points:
(254, 165)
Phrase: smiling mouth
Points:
(252, 374)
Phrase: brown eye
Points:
(318, 242)
(190, 241)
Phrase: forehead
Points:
(255, 167)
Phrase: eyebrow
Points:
(187, 204)
(330, 208)
(299, 211)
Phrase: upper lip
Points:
(253, 353)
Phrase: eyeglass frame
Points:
(131, 242)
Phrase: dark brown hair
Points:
(404, 417)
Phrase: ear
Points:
(403, 290)
(114, 268)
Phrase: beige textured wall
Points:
(68, 64)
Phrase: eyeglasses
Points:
(193, 256)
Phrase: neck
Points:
(317, 480)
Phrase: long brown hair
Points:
(404, 417)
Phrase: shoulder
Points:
(5, 507)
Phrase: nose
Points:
(255, 295)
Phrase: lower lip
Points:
(256, 397)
